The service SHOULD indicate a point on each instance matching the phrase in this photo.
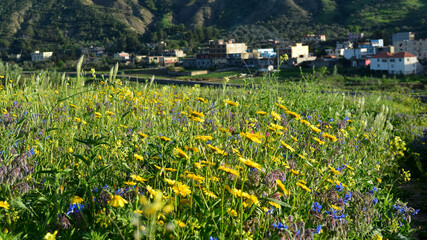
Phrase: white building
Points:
(399, 63)
(40, 56)
(313, 38)
(340, 48)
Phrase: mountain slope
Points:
(27, 23)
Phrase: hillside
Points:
(125, 24)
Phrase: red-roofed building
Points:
(399, 63)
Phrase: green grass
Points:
(171, 162)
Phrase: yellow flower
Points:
(73, 106)
(303, 186)
(196, 114)
(229, 170)
(77, 119)
(276, 127)
(280, 106)
(142, 134)
(130, 183)
(170, 182)
(109, 113)
(139, 157)
(293, 114)
(195, 177)
(335, 207)
(98, 115)
(50, 236)
(318, 141)
(254, 137)
(202, 100)
(274, 204)
(315, 129)
(282, 187)
(181, 153)
(261, 113)
(250, 163)
(235, 104)
(305, 122)
(70, 150)
(4, 205)
(330, 137)
(117, 201)
(276, 116)
(76, 199)
(209, 194)
(288, 146)
(232, 212)
(165, 139)
(204, 138)
(138, 178)
(181, 189)
(180, 223)
(223, 130)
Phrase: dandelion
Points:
(142, 135)
(276, 127)
(209, 194)
(181, 189)
(98, 115)
(73, 106)
(261, 113)
(274, 204)
(4, 205)
(223, 130)
(117, 201)
(251, 136)
(234, 104)
(250, 163)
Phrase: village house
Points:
(296, 50)
(313, 38)
(174, 53)
(402, 36)
(339, 49)
(221, 53)
(124, 56)
(38, 56)
(93, 51)
(355, 37)
(415, 47)
(399, 63)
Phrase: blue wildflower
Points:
(75, 208)
(316, 207)
(318, 229)
(375, 201)
(347, 197)
(373, 190)
(280, 226)
(416, 212)
(213, 238)
(339, 187)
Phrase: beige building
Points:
(41, 56)
(313, 38)
(221, 49)
(296, 50)
(415, 47)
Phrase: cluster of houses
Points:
(402, 57)
(223, 54)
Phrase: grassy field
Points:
(115, 160)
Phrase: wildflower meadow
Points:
(103, 158)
